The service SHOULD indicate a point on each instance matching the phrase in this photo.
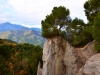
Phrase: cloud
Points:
(28, 12)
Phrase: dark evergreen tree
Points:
(56, 23)
(92, 7)
(96, 32)
(76, 30)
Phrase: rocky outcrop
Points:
(91, 67)
(39, 71)
(60, 58)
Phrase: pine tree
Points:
(92, 7)
(96, 32)
(55, 24)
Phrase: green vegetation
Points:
(19, 59)
(92, 7)
(7, 41)
(96, 32)
(75, 32)
(55, 24)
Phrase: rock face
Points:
(92, 66)
(39, 71)
(60, 58)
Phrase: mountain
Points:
(36, 29)
(23, 36)
(8, 26)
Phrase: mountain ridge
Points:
(9, 26)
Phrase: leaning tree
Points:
(56, 23)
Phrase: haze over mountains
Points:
(21, 34)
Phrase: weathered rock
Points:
(91, 67)
(87, 51)
(75, 58)
(60, 58)
(39, 71)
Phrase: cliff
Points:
(60, 58)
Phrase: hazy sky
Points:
(30, 12)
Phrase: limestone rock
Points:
(60, 58)
(91, 67)
(87, 51)
(75, 58)
(39, 71)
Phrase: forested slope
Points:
(19, 59)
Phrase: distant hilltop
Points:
(8, 26)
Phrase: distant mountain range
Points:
(21, 34)
(8, 26)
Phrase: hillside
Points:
(7, 41)
(18, 59)
(23, 36)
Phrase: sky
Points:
(30, 13)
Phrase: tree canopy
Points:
(96, 32)
(19, 59)
(55, 24)
(92, 7)
(74, 29)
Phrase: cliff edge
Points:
(60, 58)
